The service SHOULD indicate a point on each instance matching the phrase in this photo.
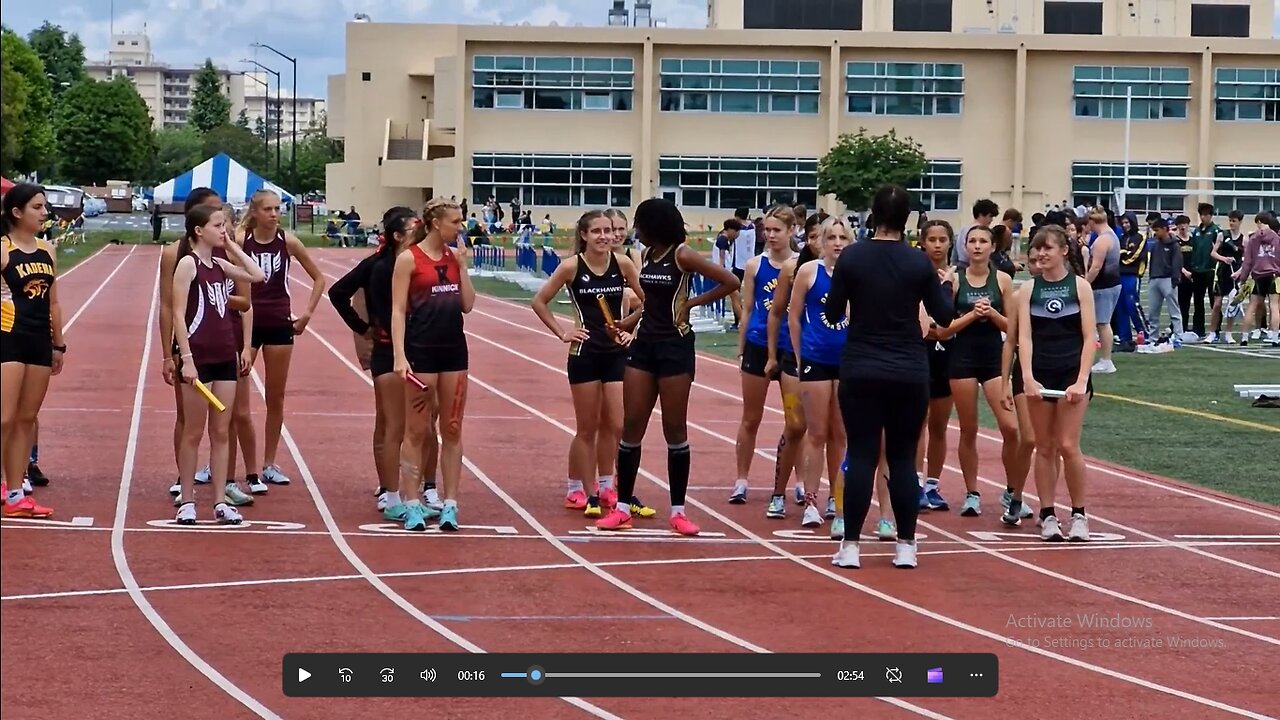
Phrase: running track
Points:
(130, 616)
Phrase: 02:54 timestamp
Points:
(849, 675)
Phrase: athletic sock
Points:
(677, 510)
(628, 467)
(678, 458)
(251, 478)
(604, 482)
(1008, 489)
(451, 503)
(429, 484)
(35, 454)
(13, 497)
(974, 493)
(1077, 511)
(1046, 513)
(575, 486)
(393, 499)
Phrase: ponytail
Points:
(249, 222)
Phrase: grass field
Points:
(1173, 415)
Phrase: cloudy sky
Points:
(185, 32)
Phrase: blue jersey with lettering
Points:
(820, 342)
(766, 281)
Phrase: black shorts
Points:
(939, 381)
(440, 360)
(382, 359)
(739, 273)
(601, 367)
(754, 358)
(1015, 378)
(1264, 287)
(1223, 283)
(969, 368)
(25, 348)
(219, 372)
(664, 358)
(818, 372)
(277, 335)
(1059, 379)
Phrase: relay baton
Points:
(208, 395)
(604, 308)
(413, 380)
(1053, 393)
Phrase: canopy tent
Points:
(233, 181)
(5, 184)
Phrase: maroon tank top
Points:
(237, 320)
(210, 329)
(271, 302)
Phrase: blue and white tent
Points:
(233, 181)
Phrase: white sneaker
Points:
(812, 516)
(431, 498)
(175, 489)
(1229, 338)
(1050, 531)
(227, 515)
(256, 486)
(272, 474)
(848, 556)
(1256, 334)
(1190, 337)
(904, 555)
(186, 514)
(1210, 339)
(382, 502)
(837, 528)
(26, 487)
(203, 475)
(1079, 531)
(1104, 367)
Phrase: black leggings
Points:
(894, 411)
(1191, 296)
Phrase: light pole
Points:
(266, 93)
(279, 107)
(293, 147)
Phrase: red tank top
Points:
(210, 329)
(237, 320)
(435, 302)
(271, 303)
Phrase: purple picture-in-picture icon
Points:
(935, 675)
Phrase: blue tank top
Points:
(766, 281)
(821, 343)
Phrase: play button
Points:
(303, 674)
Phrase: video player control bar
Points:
(641, 675)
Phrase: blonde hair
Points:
(247, 223)
(1098, 216)
(229, 214)
(831, 224)
(782, 214)
(436, 208)
(612, 213)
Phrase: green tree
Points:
(104, 133)
(177, 151)
(315, 152)
(28, 143)
(860, 164)
(210, 108)
(242, 120)
(63, 56)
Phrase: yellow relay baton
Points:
(214, 402)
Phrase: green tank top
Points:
(1056, 333)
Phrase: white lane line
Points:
(117, 540)
(101, 285)
(83, 262)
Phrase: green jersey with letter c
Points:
(1057, 338)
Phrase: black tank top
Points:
(587, 290)
(1057, 338)
(666, 290)
(981, 338)
(24, 292)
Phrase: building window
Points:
(1065, 17)
(552, 83)
(1093, 183)
(734, 182)
(1159, 93)
(1219, 20)
(922, 15)
(1247, 94)
(939, 188)
(552, 180)
(802, 14)
(1250, 189)
(904, 88)
(740, 86)
(366, 76)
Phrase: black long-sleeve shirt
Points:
(883, 282)
(373, 276)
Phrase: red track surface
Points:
(80, 634)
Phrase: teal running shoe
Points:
(972, 505)
(414, 518)
(449, 518)
(395, 513)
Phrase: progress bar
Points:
(637, 675)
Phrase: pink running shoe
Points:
(683, 525)
(576, 500)
(608, 499)
(615, 519)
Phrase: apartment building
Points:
(166, 89)
(260, 102)
(1027, 106)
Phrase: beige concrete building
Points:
(566, 118)
(166, 89)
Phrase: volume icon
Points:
(428, 675)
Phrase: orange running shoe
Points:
(26, 508)
(576, 500)
(615, 519)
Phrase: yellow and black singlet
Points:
(26, 289)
